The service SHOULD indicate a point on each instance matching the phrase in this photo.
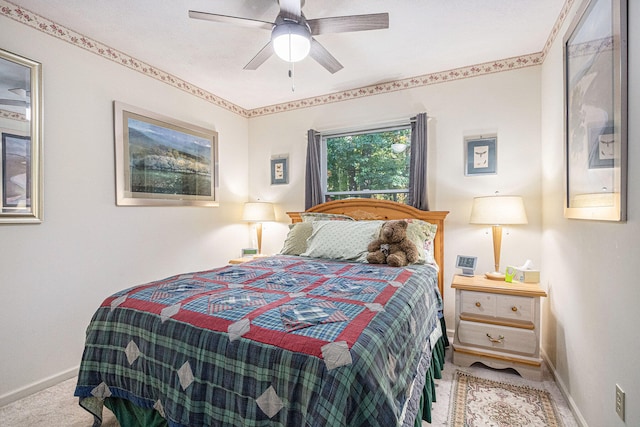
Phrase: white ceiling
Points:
(424, 36)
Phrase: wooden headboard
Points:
(371, 209)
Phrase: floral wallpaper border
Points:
(6, 114)
(43, 24)
(40, 23)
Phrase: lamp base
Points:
(494, 276)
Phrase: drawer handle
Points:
(495, 340)
(514, 308)
(478, 304)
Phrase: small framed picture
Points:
(481, 155)
(467, 264)
(602, 146)
(279, 170)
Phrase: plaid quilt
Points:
(278, 341)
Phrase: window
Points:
(369, 163)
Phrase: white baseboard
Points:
(450, 333)
(565, 392)
(37, 386)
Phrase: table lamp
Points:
(258, 212)
(497, 211)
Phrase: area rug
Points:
(477, 402)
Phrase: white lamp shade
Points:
(258, 212)
(291, 41)
(498, 210)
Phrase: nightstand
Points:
(240, 260)
(246, 259)
(498, 324)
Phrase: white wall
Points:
(505, 103)
(591, 317)
(54, 275)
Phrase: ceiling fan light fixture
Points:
(291, 41)
(398, 147)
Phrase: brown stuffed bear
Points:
(393, 247)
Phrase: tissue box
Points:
(527, 276)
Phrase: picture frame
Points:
(21, 141)
(162, 161)
(16, 172)
(595, 112)
(601, 146)
(279, 170)
(481, 155)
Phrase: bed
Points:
(296, 339)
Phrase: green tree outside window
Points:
(374, 164)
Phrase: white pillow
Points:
(342, 240)
(296, 241)
(320, 216)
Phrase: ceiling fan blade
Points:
(246, 22)
(260, 57)
(14, 102)
(324, 58)
(343, 24)
(290, 9)
(20, 92)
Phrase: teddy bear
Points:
(392, 247)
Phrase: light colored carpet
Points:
(57, 407)
(53, 407)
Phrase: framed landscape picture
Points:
(161, 161)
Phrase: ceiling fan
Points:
(292, 33)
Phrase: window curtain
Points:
(418, 167)
(313, 178)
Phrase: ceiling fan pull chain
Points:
(291, 67)
(292, 77)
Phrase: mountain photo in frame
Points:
(162, 161)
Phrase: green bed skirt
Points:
(434, 372)
(131, 415)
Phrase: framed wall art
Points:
(21, 177)
(16, 176)
(280, 170)
(161, 161)
(481, 156)
(595, 94)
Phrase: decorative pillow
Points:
(342, 240)
(422, 234)
(296, 241)
(318, 216)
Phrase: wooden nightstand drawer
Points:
(516, 308)
(493, 305)
(478, 303)
(497, 337)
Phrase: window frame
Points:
(359, 131)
